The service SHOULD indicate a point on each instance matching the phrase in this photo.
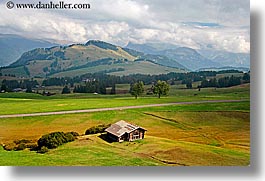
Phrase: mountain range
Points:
(196, 59)
(91, 57)
(97, 56)
(227, 58)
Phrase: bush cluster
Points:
(10, 147)
(97, 129)
(46, 142)
(18, 145)
(43, 150)
(55, 139)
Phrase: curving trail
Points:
(115, 108)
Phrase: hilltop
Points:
(91, 57)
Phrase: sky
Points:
(199, 24)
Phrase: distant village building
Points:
(123, 131)
(19, 90)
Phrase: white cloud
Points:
(121, 21)
(124, 9)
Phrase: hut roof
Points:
(122, 127)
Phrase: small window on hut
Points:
(136, 135)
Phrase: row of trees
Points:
(99, 82)
(91, 87)
(136, 89)
(159, 88)
(110, 80)
(225, 81)
(54, 81)
(10, 85)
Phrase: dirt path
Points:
(115, 108)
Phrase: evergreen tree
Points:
(189, 84)
(29, 89)
(66, 90)
(3, 87)
(113, 89)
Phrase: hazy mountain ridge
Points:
(13, 46)
(190, 58)
(151, 48)
(228, 58)
(196, 59)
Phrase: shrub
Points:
(52, 140)
(75, 134)
(18, 145)
(21, 146)
(69, 137)
(22, 141)
(43, 150)
(10, 147)
(97, 129)
(55, 139)
(32, 147)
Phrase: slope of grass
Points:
(176, 135)
(152, 151)
(17, 71)
(128, 68)
(36, 67)
(79, 153)
(180, 135)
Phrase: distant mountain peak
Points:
(187, 50)
(91, 42)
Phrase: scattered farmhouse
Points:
(19, 90)
(123, 131)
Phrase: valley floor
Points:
(175, 137)
(114, 108)
(210, 133)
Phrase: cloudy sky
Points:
(218, 24)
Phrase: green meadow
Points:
(17, 103)
(209, 134)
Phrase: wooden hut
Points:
(123, 131)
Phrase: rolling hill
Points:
(94, 56)
(13, 46)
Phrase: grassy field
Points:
(16, 103)
(180, 135)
